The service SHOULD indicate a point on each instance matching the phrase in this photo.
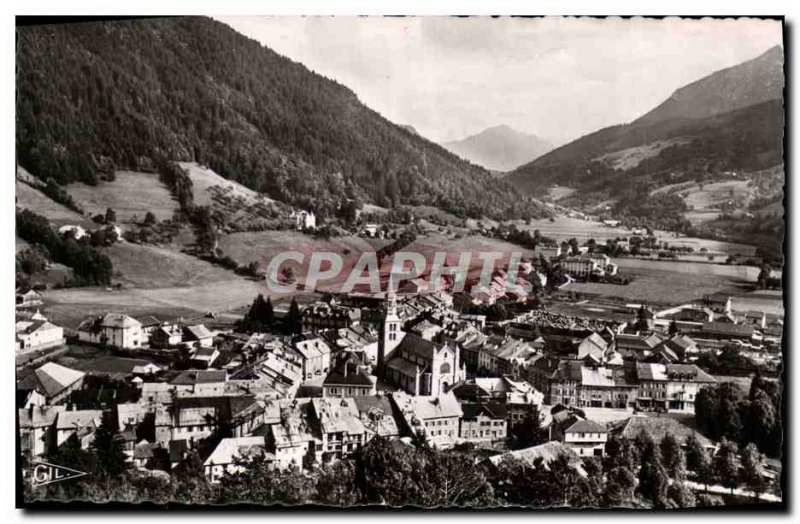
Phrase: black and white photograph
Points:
(416, 262)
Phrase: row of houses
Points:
(119, 330)
(572, 382)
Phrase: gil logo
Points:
(44, 473)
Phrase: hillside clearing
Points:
(631, 157)
(130, 194)
(144, 266)
(31, 198)
(204, 180)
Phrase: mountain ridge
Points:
(499, 148)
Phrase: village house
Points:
(195, 418)
(53, 382)
(484, 422)
(586, 438)
(547, 252)
(223, 459)
(166, 336)
(339, 425)
(197, 335)
(315, 357)
(504, 356)
(348, 379)
(82, 423)
(204, 357)
(292, 439)
(200, 382)
(377, 415)
(548, 452)
(36, 423)
(436, 416)
(354, 339)
(37, 333)
(672, 387)
(321, 315)
(113, 329)
(637, 346)
(305, 219)
(28, 298)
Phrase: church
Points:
(415, 364)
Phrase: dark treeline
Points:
(725, 411)
(90, 266)
(636, 473)
(95, 96)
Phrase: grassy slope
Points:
(131, 193)
(33, 199)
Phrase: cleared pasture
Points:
(28, 197)
(144, 266)
(204, 179)
(130, 194)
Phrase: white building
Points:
(586, 438)
(224, 457)
(77, 231)
(38, 333)
(113, 329)
(305, 219)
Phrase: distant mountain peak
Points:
(499, 148)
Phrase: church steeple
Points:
(391, 333)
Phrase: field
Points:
(130, 194)
(564, 228)
(556, 193)
(147, 267)
(633, 156)
(667, 283)
(33, 199)
(256, 246)
(204, 179)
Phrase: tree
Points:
(111, 216)
(620, 487)
(107, 445)
(673, 457)
(751, 475)
(681, 495)
(336, 484)
(653, 478)
(150, 219)
(293, 322)
(673, 328)
(724, 465)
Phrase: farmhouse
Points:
(586, 438)
(38, 333)
(29, 298)
(222, 459)
(437, 416)
(113, 329)
(53, 381)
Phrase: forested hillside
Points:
(98, 96)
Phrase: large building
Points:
(113, 329)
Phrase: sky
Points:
(557, 78)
